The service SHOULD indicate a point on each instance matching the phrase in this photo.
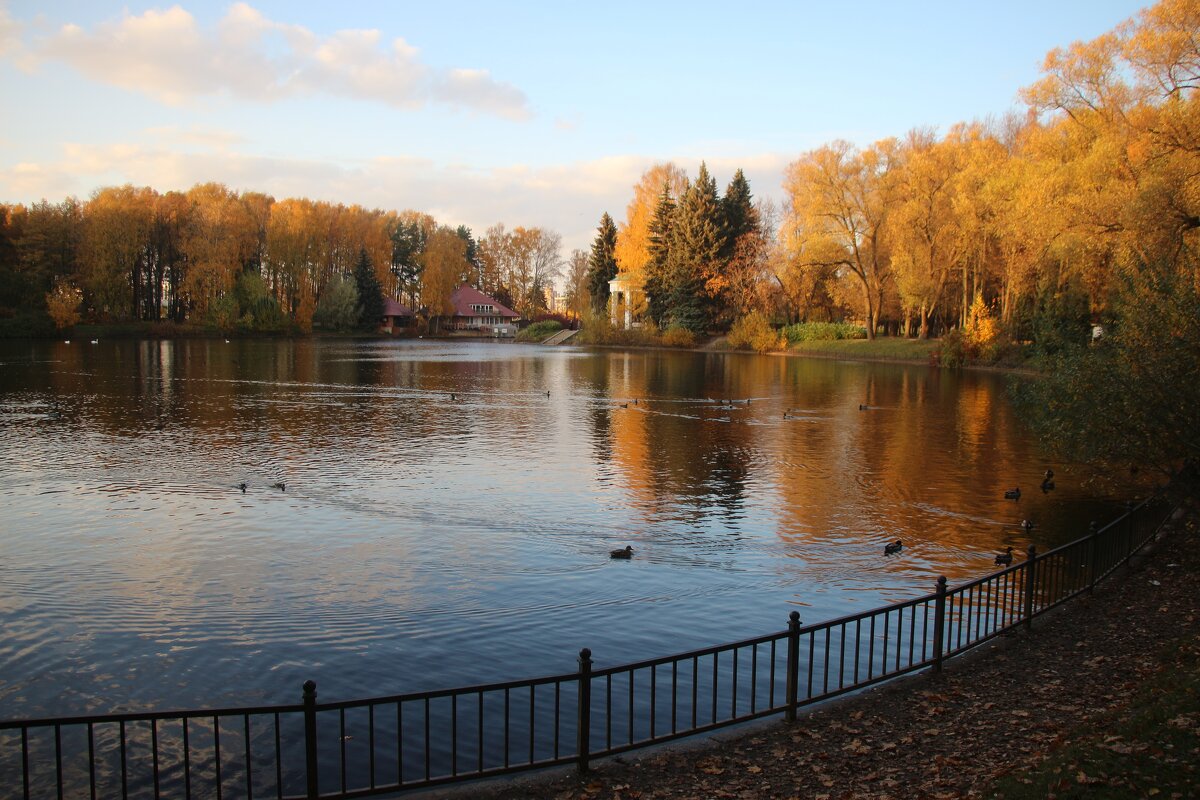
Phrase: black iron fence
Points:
(359, 748)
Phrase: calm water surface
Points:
(424, 541)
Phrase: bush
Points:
(562, 319)
(539, 331)
(951, 352)
(678, 336)
(823, 331)
(63, 305)
(754, 332)
(338, 308)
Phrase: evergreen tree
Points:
(741, 217)
(602, 263)
(696, 244)
(370, 292)
(655, 285)
(475, 278)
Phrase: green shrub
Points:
(338, 307)
(539, 331)
(952, 350)
(823, 331)
(754, 332)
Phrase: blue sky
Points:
(534, 114)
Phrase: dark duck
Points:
(893, 548)
(625, 552)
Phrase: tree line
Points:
(214, 256)
(1028, 220)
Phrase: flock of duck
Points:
(1004, 559)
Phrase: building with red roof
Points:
(395, 316)
(476, 311)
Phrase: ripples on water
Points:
(424, 540)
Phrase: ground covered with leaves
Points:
(1099, 699)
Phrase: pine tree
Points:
(696, 245)
(408, 243)
(602, 263)
(370, 293)
(741, 217)
(655, 286)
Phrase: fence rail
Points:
(359, 748)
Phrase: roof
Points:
(464, 297)
(393, 309)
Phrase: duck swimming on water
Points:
(1048, 480)
(893, 548)
(1005, 558)
(626, 552)
(1027, 524)
(1012, 494)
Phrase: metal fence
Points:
(359, 748)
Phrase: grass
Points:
(1150, 749)
(884, 348)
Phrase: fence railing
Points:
(358, 748)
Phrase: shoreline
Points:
(1007, 711)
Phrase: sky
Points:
(525, 113)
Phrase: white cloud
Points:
(167, 55)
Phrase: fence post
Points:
(939, 623)
(793, 666)
(1130, 530)
(1030, 571)
(310, 738)
(1093, 555)
(584, 713)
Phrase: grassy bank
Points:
(883, 349)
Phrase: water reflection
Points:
(449, 508)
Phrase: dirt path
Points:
(996, 710)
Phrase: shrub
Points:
(538, 331)
(754, 332)
(223, 312)
(951, 351)
(823, 331)
(562, 319)
(678, 336)
(338, 308)
(63, 305)
(981, 335)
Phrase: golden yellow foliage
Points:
(63, 303)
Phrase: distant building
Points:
(476, 311)
(395, 316)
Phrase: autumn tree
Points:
(443, 263)
(578, 295)
(632, 250)
(839, 200)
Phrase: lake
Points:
(448, 508)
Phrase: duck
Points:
(547, 393)
(893, 548)
(1005, 558)
(624, 405)
(863, 407)
(95, 341)
(1048, 480)
(242, 486)
(627, 552)
(1012, 494)
(452, 397)
(280, 485)
(1027, 524)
